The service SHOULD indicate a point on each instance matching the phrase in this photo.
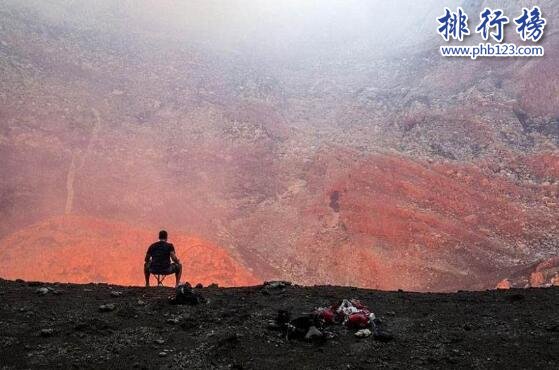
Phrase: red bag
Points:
(327, 315)
(358, 320)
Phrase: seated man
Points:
(158, 259)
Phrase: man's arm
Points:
(174, 257)
(148, 255)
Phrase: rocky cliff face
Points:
(312, 158)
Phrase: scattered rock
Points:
(47, 332)
(42, 291)
(276, 284)
(270, 287)
(273, 325)
(363, 333)
(379, 333)
(107, 307)
(229, 338)
(141, 303)
(515, 297)
(173, 320)
(162, 354)
(238, 325)
(116, 293)
(383, 336)
(329, 335)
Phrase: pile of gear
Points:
(314, 326)
(184, 294)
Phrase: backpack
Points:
(185, 295)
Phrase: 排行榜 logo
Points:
(529, 26)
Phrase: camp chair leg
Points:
(159, 279)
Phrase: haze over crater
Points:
(317, 141)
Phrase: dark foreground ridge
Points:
(103, 326)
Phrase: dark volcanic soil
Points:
(493, 329)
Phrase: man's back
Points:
(158, 260)
(160, 253)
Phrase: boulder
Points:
(42, 291)
(536, 279)
(504, 284)
(107, 307)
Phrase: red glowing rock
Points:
(504, 284)
(83, 249)
(537, 279)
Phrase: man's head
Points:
(163, 235)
